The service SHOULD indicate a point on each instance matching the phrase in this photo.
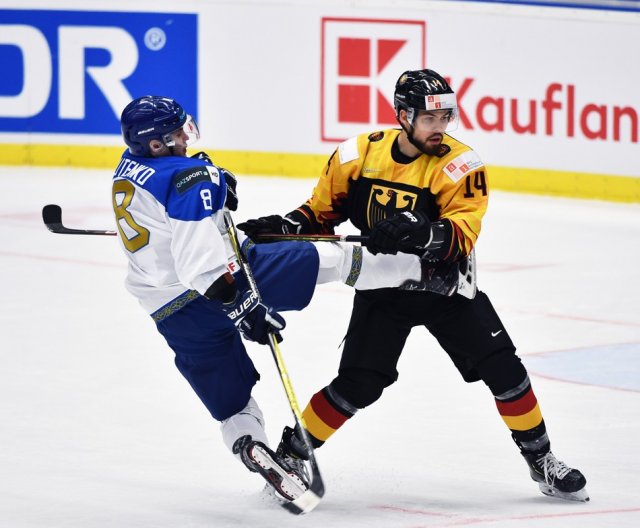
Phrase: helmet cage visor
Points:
(190, 128)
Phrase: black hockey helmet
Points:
(154, 117)
(423, 90)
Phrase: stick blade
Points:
(52, 217)
(303, 504)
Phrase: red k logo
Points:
(361, 61)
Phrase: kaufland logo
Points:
(361, 61)
(556, 110)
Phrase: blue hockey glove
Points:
(409, 232)
(254, 320)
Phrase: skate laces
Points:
(552, 468)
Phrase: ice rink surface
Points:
(98, 429)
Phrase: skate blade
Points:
(288, 486)
(578, 496)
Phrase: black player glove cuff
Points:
(231, 201)
(203, 156)
(409, 232)
(262, 226)
(293, 223)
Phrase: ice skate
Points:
(555, 478)
(287, 483)
(293, 454)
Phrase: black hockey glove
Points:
(271, 225)
(410, 232)
(203, 156)
(231, 201)
(254, 320)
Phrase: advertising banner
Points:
(544, 103)
(74, 71)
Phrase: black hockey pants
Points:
(469, 330)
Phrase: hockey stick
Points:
(310, 498)
(311, 238)
(52, 217)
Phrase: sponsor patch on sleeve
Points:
(214, 174)
(187, 178)
(462, 165)
(348, 150)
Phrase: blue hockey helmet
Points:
(154, 117)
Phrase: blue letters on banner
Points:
(73, 72)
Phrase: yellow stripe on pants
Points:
(524, 421)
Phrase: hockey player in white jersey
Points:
(169, 212)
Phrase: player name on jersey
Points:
(133, 170)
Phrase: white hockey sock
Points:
(249, 421)
(355, 266)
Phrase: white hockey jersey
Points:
(169, 214)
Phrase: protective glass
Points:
(445, 102)
(445, 119)
(190, 128)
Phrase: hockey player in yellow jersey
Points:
(418, 190)
(362, 176)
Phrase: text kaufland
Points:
(556, 113)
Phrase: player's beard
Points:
(178, 150)
(427, 147)
(424, 147)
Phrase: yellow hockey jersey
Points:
(365, 182)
